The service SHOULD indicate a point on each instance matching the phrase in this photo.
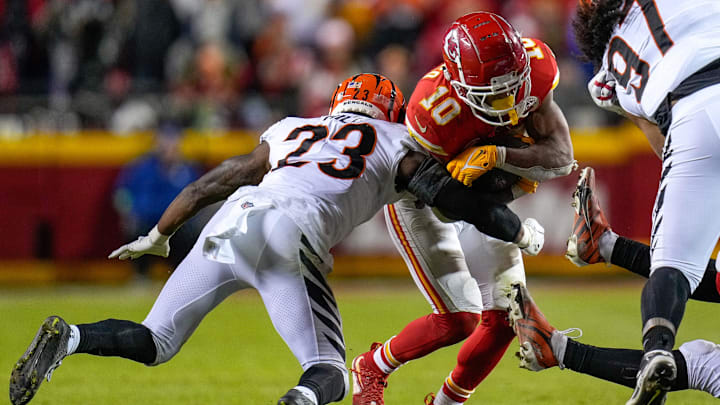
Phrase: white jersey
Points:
(657, 45)
(332, 173)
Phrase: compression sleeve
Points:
(432, 184)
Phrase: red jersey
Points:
(445, 126)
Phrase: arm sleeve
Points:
(494, 219)
(433, 185)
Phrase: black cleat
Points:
(42, 357)
(294, 397)
(654, 379)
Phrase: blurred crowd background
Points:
(127, 65)
(109, 107)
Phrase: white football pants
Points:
(274, 258)
(686, 217)
(455, 266)
(703, 366)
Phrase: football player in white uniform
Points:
(659, 63)
(318, 178)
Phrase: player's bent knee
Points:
(679, 276)
(330, 383)
(166, 348)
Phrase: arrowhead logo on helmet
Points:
(451, 47)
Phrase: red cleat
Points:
(590, 222)
(429, 399)
(368, 381)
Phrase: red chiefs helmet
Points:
(370, 94)
(486, 63)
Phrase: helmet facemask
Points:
(498, 103)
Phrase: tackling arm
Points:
(428, 180)
(215, 185)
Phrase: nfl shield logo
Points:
(246, 205)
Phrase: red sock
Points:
(482, 351)
(431, 332)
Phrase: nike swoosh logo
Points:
(422, 128)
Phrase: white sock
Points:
(442, 399)
(607, 244)
(307, 393)
(558, 342)
(384, 359)
(74, 340)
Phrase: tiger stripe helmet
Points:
(369, 94)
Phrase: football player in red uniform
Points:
(493, 85)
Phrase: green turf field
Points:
(235, 356)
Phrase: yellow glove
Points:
(472, 163)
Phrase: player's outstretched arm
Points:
(213, 186)
(216, 185)
(428, 180)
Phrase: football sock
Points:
(384, 359)
(631, 255)
(606, 245)
(73, 340)
(559, 342)
(452, 394)
(481, 352)
(663, 305)
(113, 337)
(635, 256)
(616, 365)
(327, 382)
(423, 336)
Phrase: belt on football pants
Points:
(705, 77)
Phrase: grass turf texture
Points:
(235, 356)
